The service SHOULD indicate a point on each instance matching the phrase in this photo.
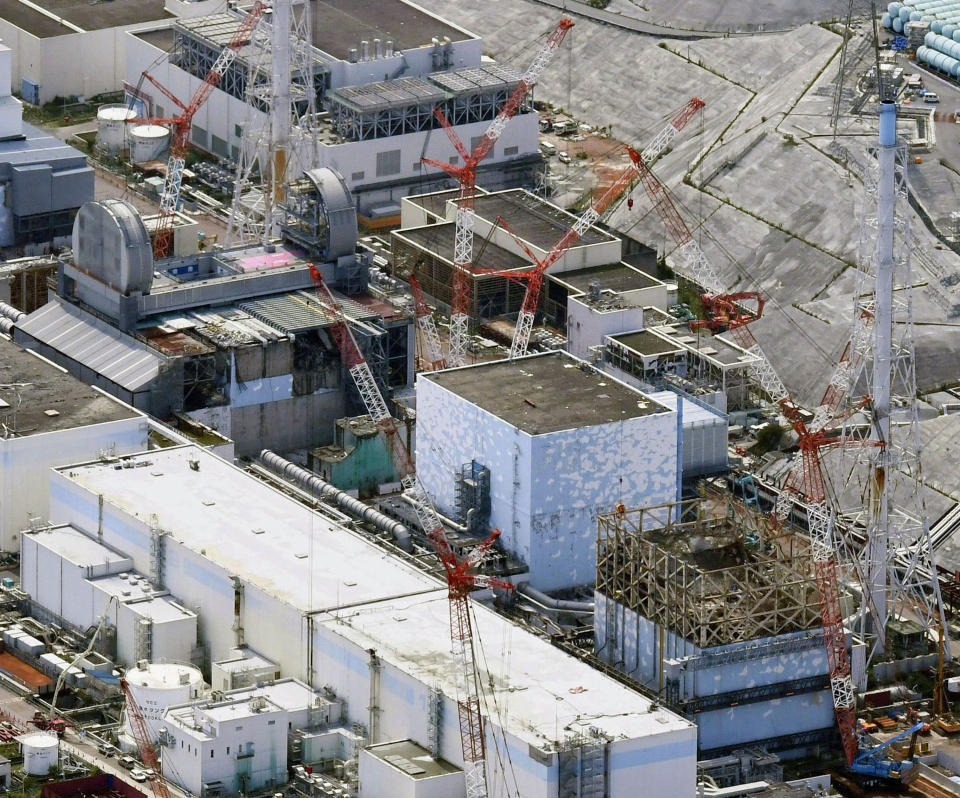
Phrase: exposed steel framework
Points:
(180, 127)
(665, 137)
(466, 175)
(148, 754)
(460, 572)
(430, 350)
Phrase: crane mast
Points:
(466, 175)
(180, 127)
(141, 734)
(664, 139)
(459, 570)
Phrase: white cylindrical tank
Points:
(112, 124)
(148, 143)
(158, 685)
(39, 752)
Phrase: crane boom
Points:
(461, 580)
(466, 175)
(148, 753)
(429, 336)
(664, 139)
(182, 124)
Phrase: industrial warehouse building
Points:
(50, 418)
(335, 610)
(378, 72)
(561, 442)
(43, 182)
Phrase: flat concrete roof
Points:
(534, 220)
(250, 530)
(549, 693)
(139, 595)
(162, 38)
(36, 396)
(617, 277)
(289, 694)
(82, 13)
(439, 239)
(411, 759)
(38, 146)
(646, 343)
(546, 393)
(339, 25)
(77, 548)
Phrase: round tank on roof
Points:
(111, 243)
(40, 751)
(112, 124)
(148, 143)
(339, 210)
(158, 685)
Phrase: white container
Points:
(39, 752)
(148, 143)
(158, 685)
(113, 123)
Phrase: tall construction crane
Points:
(698, 269)
(459, 571)
(466, 175)
(531, 297)
(664, 139)
(180, 127)
(148, 753)
(431, 351)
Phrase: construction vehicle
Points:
(180, 127)
(874, 760)
(466, 176)
(460, 571)
(56, 725)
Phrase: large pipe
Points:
(550, 603)
(10, 312)
(6, 326)
(324, 490)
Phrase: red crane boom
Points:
(180, 127)
(148, 754)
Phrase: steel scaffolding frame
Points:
(645, 564)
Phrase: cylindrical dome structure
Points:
(158, 685)
(112, 124)
(40, 752)
(148, 143)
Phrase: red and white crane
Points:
(180, 127)
(534, 278)
(460, 571)
(430, 349)
(665, 137)
(141, 734)
(466, 175)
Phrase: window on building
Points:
(228, 750)
(454, 160)
(508, 151)
(474, 141)
(238, 131)
(388, 163)
(211, 753)
(219, 146)
(181, 743)
(271, 723)
(417, 166)
(199, 137)
(235, 153)
(160, 112)
(355, 176)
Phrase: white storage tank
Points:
(113, 122)
(39, 752)
(158, 685)
(148, 143)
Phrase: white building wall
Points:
(415, 61)
(547, 516)
(635, 647)
(586, 326)
(75, 63)
(25, 462)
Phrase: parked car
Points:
(564, 157)
(138, 775)
(930, 97)
(106, 749)
(127, 762)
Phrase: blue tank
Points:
(894, 8)
(898, 25)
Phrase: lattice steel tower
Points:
(277, 144)
(895, 566)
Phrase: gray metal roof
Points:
(94, 344)
(388, 94)
(300, 311)
(477, 80)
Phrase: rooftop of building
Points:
(546, 393)
(38, 146)
(196, 719)
(411, 759)
(136, 591)
(549, 693)
(291, 695)
(37, 396)
(161, 38)
(77, 548)
(251, 530)
(645, 342)
(244, 659)
(663, 339)
(339, 25)
(619, 277)
(45, 18)
(439, 239)
(533, 219)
